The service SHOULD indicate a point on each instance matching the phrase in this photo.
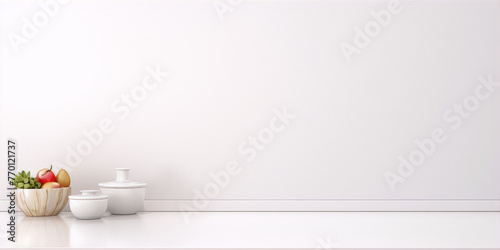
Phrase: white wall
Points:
(226, 78)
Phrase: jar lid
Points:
(122, 180)
(88, 195)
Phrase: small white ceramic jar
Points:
(88, 205)
(125, 196)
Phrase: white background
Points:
(226, 77)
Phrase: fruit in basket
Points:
(51, 184)
(45, 175)
(25, 181)
(63, 178)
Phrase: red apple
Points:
(45, 175)
(51, 184)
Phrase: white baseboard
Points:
(314, 205)
(326, 205)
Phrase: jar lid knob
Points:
(89, 192)
(122, 174)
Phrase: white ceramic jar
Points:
(125, 196)
(88, 205)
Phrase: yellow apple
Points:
(51, 184)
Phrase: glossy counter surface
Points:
(261, 229)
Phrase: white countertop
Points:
(261, 229)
